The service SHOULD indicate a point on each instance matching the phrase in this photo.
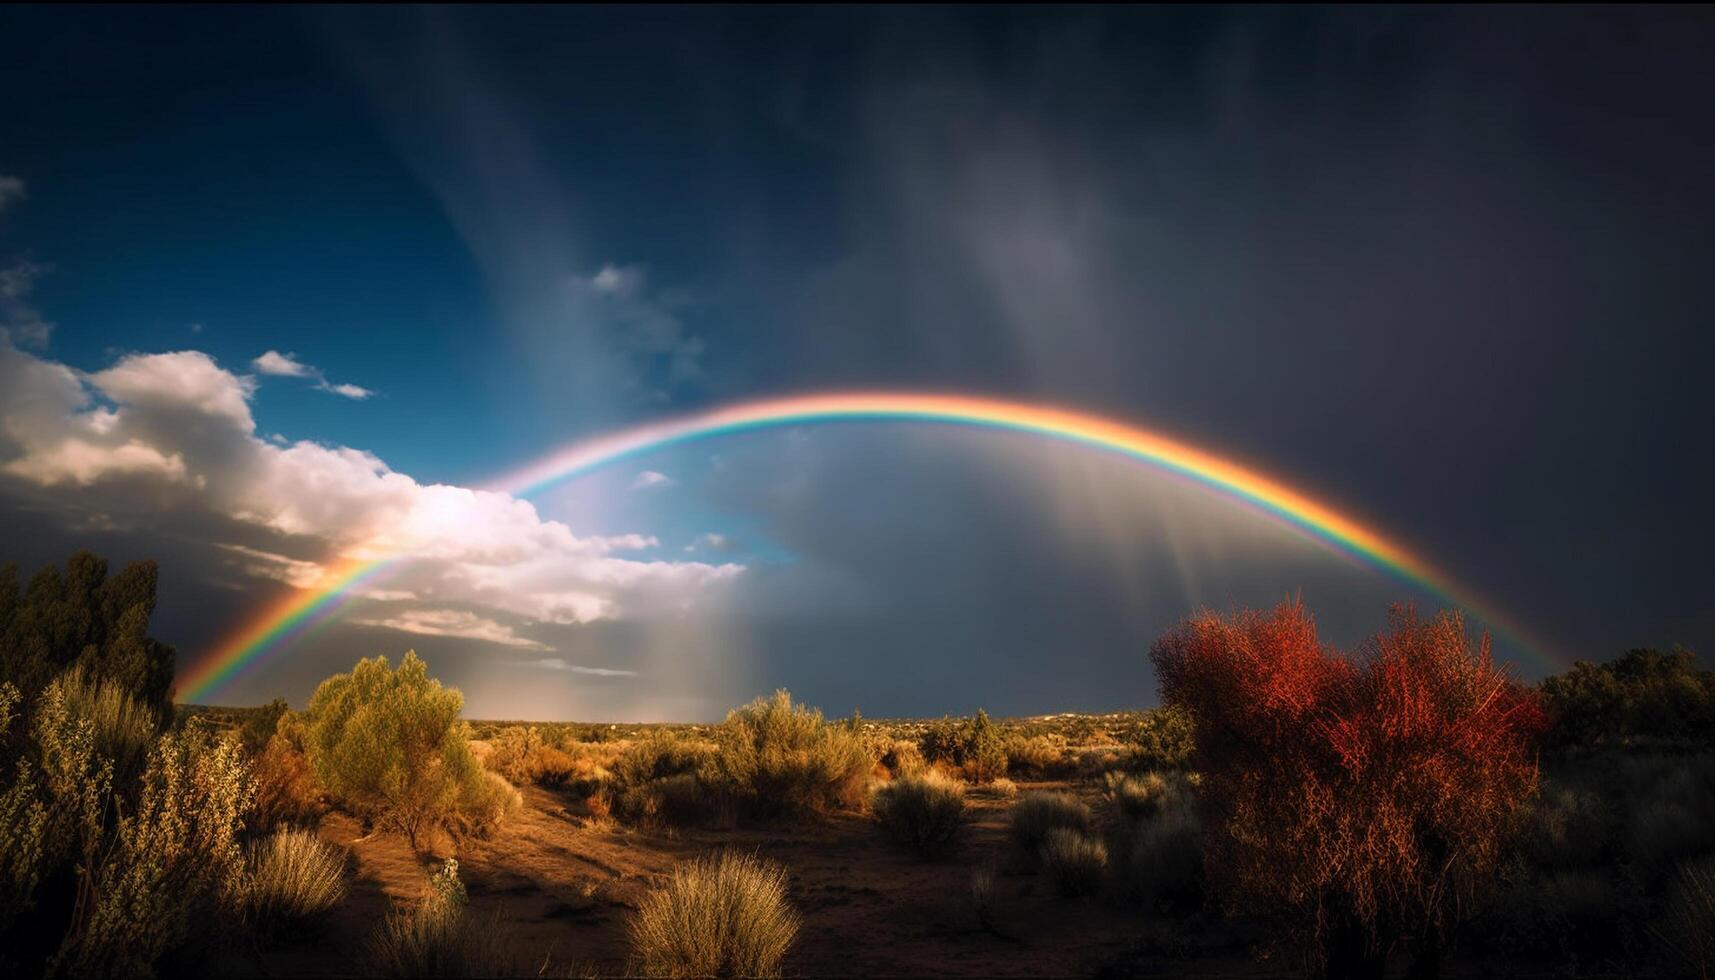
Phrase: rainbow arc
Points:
(275, 626)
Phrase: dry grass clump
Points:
(982, 893)
(1035, 814)
(1073, 861)
(438, 938)
(779, 758)
(722, 915)
(292, 875)
(1689, 929)
(923, 812)
(1146, 795)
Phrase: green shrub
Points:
(1073, 861)
(777, 758)
(484, 802)
(1161, 739)
(723, 915)
(665, 779)
(973, 746)
(260, 724)
(388, 745)
(290, 875)
(438, 938)
(172, 859)
(1037, 756)
(514, 753)
(922, 812)
(1035, 814)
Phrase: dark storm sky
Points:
(1450, 269)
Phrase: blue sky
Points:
(1445, 269)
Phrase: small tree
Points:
(387, 743)
(1370, 797)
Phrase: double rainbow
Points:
(279, 623)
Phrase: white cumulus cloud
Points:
(182, 424)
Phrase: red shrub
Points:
(1369, 795)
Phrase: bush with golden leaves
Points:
(171, 860)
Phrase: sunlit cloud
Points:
(557, 663)
(182, 424)
(453, 622)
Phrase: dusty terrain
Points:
(561, 888)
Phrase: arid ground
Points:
(561, 887)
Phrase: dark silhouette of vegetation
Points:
(1367, 798)
(1644, 694)
(79, 616)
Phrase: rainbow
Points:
(302, 610)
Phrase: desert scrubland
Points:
(1407, 807)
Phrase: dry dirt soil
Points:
(560, 889)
